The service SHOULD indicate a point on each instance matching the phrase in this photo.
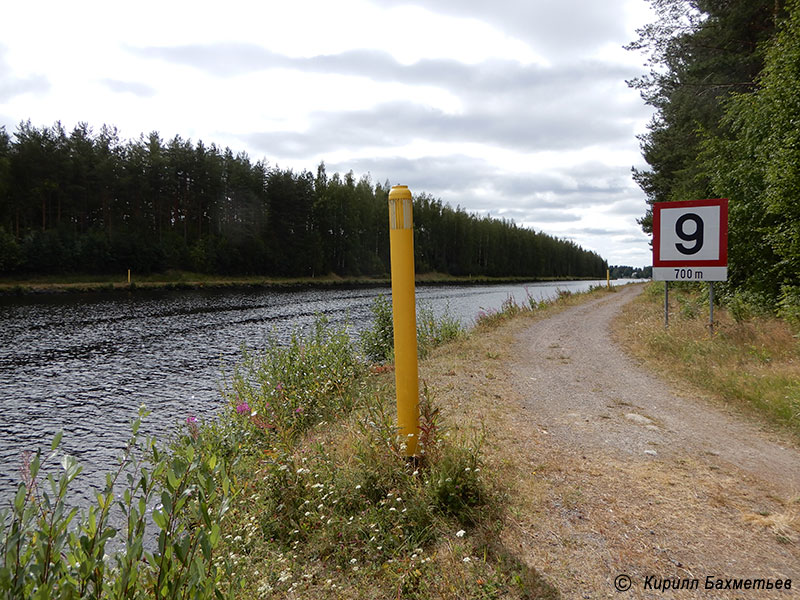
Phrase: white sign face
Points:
(690, 234)
(690, 240)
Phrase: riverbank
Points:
(183, 280)
(318, 497)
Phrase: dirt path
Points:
(628, 477)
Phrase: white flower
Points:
(467, 559)
(460, 533)
(353, 561)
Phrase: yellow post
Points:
(129, 276)
(406, 371)
(608, 278)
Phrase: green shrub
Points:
(789, 305)
(50, 550)
(282, 390)
(377, 342)
(433, 332)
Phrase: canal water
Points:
(84, 363)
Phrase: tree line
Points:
(725, 85)
(89, 202)
(628, 272)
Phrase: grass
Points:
(751, 364)
(330, 505)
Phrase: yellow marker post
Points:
(129, 276)
(406, 370)
(608, 278)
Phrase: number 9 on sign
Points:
(696, 236)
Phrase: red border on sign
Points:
(722, 261)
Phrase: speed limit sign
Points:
(690, 240)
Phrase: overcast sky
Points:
(516, 108)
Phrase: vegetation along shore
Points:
(300, 484)
(178, 280)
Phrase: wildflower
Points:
(460, 533)
(467, 559)
(194, 430)
(242, 408)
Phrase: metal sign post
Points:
(711, 306)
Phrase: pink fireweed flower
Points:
(194, 430)
(243, 408)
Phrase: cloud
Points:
(602, 232)
(549, 26)
(397, 123)
(129, 87)
(228, 59)
(225, 59)
(12, 86)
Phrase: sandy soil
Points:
(616, 473)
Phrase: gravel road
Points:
(623, 476)
(589, 395)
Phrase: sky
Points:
(513, 108)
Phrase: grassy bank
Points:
(299, 487)
(171, 280)
(750, 362)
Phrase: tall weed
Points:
(50, 550)
(377, 342)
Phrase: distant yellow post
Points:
(608, 278)
(129, 276)
(406, 371)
